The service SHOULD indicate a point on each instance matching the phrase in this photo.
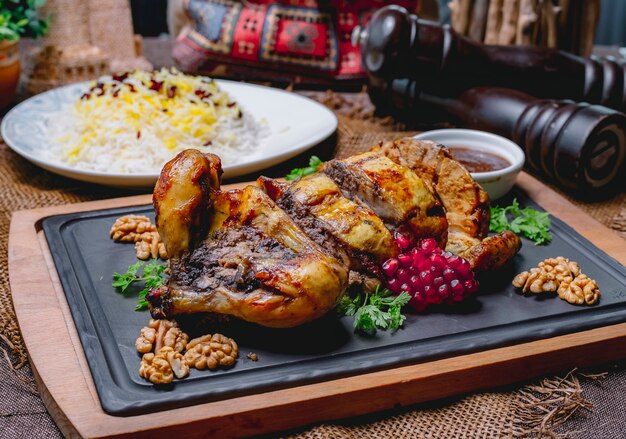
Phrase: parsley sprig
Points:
(314, 164)
(529, 222)
(151, 274)
(376, 310)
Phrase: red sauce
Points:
(478, 161)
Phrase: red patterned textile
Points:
(290, 40)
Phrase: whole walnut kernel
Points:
(582, 290)
(211, 351)
(139, 229)
(156, 368)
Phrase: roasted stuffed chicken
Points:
(281, 253)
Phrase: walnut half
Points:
(580, 291)
(211, 351)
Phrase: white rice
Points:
(101, 138)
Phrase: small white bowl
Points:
(496, 183)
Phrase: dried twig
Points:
(544, 406)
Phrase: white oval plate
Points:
(296, 123)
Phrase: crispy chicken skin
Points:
(392, 191)
(345, 228)
(466, 203)
(253, 263)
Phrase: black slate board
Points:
(85, 258)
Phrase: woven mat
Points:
(507, 413)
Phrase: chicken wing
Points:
(392, 191)
(253, 262)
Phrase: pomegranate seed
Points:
(405, 260)
(457, 287)
(390, 266)
(444, 291)
(416, 283)
(449, 274)
(439, 262)
(402, 241)
(438, 281)
(418, 302)
(454, 260)
(394, 285)
(418, 256)
(464, 271)
(429, 292)
(429, 244)
(402, 275)
(426, 277)
(425, 265)
(405, 287)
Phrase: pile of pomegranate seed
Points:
(428, 274)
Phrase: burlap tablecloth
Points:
(584, 406)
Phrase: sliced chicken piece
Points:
(348, 230)
(465, 201)
(392, 191)
(253, 263)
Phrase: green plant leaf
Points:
(314, 164)
(528, 222)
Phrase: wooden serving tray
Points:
(65, 382)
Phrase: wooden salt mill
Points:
(580, 146)
(397, 44)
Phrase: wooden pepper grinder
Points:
(397, 44)
(581, 146)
